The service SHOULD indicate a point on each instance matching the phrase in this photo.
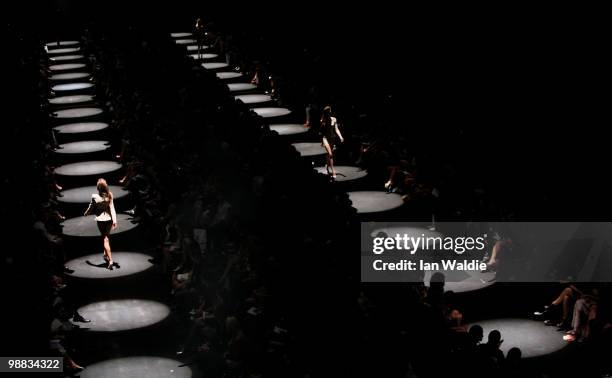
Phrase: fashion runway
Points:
(86, 227)
(94, 267)
(123, 314)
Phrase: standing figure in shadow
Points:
(102, 206)
(200, 34)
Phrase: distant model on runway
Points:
(328, 131)
(200, 33)
(102, 206)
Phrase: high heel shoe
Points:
(110, 265)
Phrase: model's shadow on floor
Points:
(103, 265)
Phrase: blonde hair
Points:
(103, 189)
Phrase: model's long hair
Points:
(326, 116)
(103, 189)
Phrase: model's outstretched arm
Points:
(89, 208)
(113, 213)
(338, 132)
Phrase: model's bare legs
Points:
(330, 157)
(107, 250)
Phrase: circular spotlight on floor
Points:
(203, 56)
(83, 147)
(69, 76)
(77, 112)
(228, 75)
(83, 194)
(345, 173)
(86, 227)
(141, 366)
(460, 281)
(63, 51)
(123, 314)
(185, 41)
(214, 65)
(309, 149)
(237, 87)
(80, 127)
(196, 47)
(69, 100)
(254, 98)
(534, 338)
(181, 35)
(87, 168)
(288, 128)
(62, 58)
(61, 43)
(71, 87)
(374, 201)
(271, 112)
(66, 66)
(95, 267)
